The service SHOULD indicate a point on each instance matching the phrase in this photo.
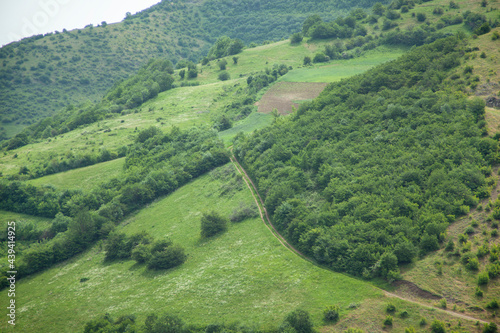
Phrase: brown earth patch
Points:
(283, 95)
(414, 290)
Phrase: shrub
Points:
(442, 303)
(483, 279)
(479, 292)
(296, 38)
(300, 321)
(388, 321)
(212, 223)
(321, 57)
(331, 313)
(437, 11)
(224, 75)
(242, 213)
(222, 64)
(438, 327)
(170, 257)
(450, 246)
(493, 305)
(141, 253)
(421, 17)
(404, 314)
(490, 328)
(307, 60)
(390, 308)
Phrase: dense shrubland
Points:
(369, 174)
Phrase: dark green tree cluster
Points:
(160, 254)
(374, 169)
(298, 321)
(225, 46)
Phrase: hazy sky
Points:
(24, 18)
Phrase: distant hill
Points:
(41, 74)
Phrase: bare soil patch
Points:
(283, 95)
(414, 290)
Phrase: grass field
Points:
(83, 178)
(341, 69)
(251, 123)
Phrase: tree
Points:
(309, 22)
(235, 60)
(182, 73)
(212, 223)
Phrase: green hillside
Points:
(381, 192)
(41, 75)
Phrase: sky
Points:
(24, 18)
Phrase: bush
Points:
(331, 313)
(490, 328)
(390, 308)
(242, 213)
(438, 327)
(483, 279)
(307, 60)
(212, 223)
(479, 292)
(442, 303)
(296, 38)
(421, 17)
(388, 321)
(321, 57)
(493, 305)
(222, 64)
(300, 321)
(170, 257)
(404, 314)
(224, 75)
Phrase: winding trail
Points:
(267, 221)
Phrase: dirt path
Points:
(267, 221)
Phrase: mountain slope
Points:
(42, 74)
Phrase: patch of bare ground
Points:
(414, 291)
(283, 95)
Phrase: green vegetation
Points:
(243, 275)
(327, 185)
(365, 179)
(43, 74)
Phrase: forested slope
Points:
(371, 172)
